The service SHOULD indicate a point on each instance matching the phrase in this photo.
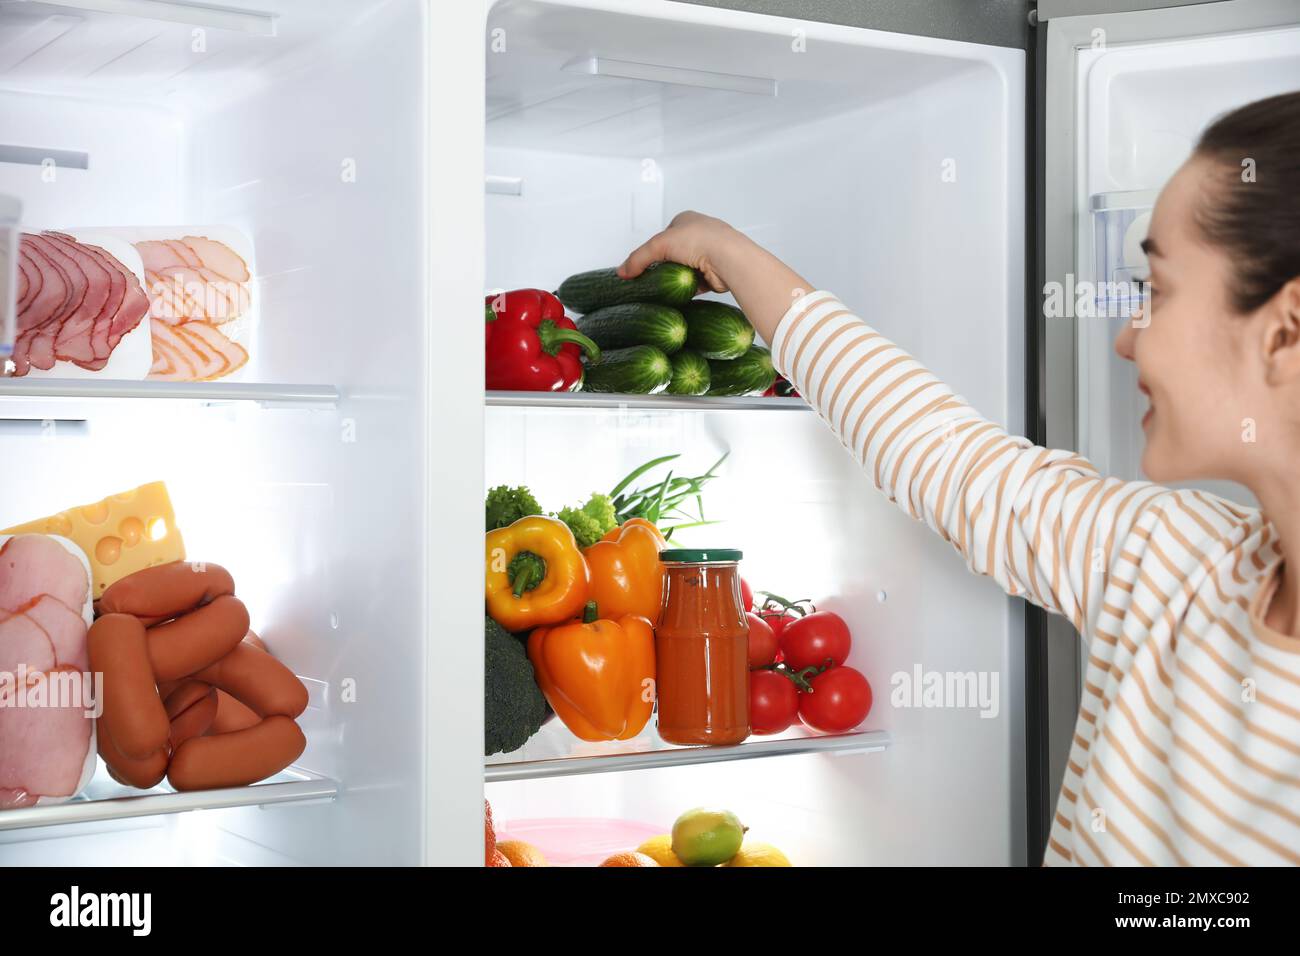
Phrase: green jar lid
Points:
(699, 555)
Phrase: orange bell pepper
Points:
(597, 674)
(534, 573)
(627, 576)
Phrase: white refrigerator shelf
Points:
(303, 396)
(105, 799)
(703, 403)
(646, 755)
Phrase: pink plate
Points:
(579, 841)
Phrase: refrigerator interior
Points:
(1141, 108)
(885, 168)
(281, 122)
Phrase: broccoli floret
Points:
(506, 505)
(585, 528)
(592, 521)
(601, 507)
(513, 706)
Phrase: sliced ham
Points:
(219, 257)
(232, 354)
(65, 628)
(78, 283)
(47, 742)
(36, 564)
(24, 643)
(83, 338)
(187, 255)
(29, 280)
(135, 303)
(158, 256)
(38, 322)
(172, 357)
(44, 751)
(194, 352)
(77, 303)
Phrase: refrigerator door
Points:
(1125, 92)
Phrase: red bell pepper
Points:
(532, 345)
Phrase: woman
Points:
(1187, 746)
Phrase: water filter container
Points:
(11, 210)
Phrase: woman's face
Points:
(1191, 353)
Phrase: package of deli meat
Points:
(200, 281)
(48, 743)
(81, 309)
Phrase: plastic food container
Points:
(10, 212)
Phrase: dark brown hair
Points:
(1253, 210)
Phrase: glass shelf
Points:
(212, 393)
(105, 799)
(703, 403)
(648, 752)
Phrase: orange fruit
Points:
(520, 853)
(629, 858)
(498, 859)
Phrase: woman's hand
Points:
(694, 240)
(730, 261)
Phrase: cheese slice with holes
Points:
(120, 535)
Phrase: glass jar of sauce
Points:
(702, 649)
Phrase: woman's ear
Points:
(1282, 336)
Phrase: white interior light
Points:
(680, 76)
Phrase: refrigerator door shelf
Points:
(648, 752)
(106, 800)
(708, 403)
(1120, 221)
(205, 393)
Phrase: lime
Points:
(703, 837)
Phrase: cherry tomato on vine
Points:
(746, 595)
(840, 700)
(777, 619)
(762, 642)
(773, 702)
(813, 639)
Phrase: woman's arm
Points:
(1041, 522)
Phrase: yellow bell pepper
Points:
(597, 674)
(627, 576)
(534, 573)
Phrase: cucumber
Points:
(635, 323)
(639, 370)
(668, 283)
(751, 374)
(690, 374)
(717, 330)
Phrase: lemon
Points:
(703, 837)
(660, 849)
(759, 854)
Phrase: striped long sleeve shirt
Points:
(1187, 746)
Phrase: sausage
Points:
(181, 695)
(231, 715)
(191, 642)
(133, 715)
(236, 759)
(257, 679)
(191, 708)
(144, 773)
(166, 590)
